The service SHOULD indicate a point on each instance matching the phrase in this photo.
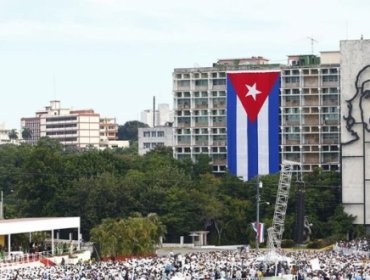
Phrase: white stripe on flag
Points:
(241, 141)
(263, 139)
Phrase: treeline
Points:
(47, 180)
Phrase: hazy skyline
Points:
(114, 56)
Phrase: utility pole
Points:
(2, 206)
(259, 185)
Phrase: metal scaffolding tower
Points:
(275, 232)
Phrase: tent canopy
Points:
(25, 225)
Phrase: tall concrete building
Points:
(76, 128)
(200, 109)
(310, 111)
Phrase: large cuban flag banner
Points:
(253, 123)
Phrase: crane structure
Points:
(275, 232)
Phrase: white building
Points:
(162, 115)
(4, 136)
(77, 128)
(151, 137)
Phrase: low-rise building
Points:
(151, 137)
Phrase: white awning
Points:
(25, 225)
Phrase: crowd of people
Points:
(251, 265)
(361, 246)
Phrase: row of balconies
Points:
(296, 103)
(217, 143)
(201, 125)
(205, 105)
(308, 148)
(310, 85)
(311, 121)
(193, 87)
(310, 142)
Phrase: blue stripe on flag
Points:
(252, 149)
(231, 128)
(274, 159)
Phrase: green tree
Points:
(341, 223)
(129, 130)
(13, 134)
(135, 235)
(26, 133)
(42, 179)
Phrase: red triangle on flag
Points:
(253, 88)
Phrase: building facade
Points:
(33, 126)
(162, 115)
(108, 129)
(355, 129)
(4, 135)
(310, 111)
(151, 137)
(200, 110)
(72, 128)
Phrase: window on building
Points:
(330, 137)
(146, 145)
(183, 83)
(330, 78)
(292, 118)
(201, 82)
(292, 80)
(146, 133)
(219, 82)
(160, 134)
(292, 136)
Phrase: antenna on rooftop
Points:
(54, 87)
(312, 42)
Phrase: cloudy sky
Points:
(114, 56)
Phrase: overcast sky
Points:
(114, 56)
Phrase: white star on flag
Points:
(252, 91)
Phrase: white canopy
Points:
(28, 225)
(24, 225)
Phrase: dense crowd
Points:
(360, 245)
(300, 265)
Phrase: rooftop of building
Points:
(222, 67)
